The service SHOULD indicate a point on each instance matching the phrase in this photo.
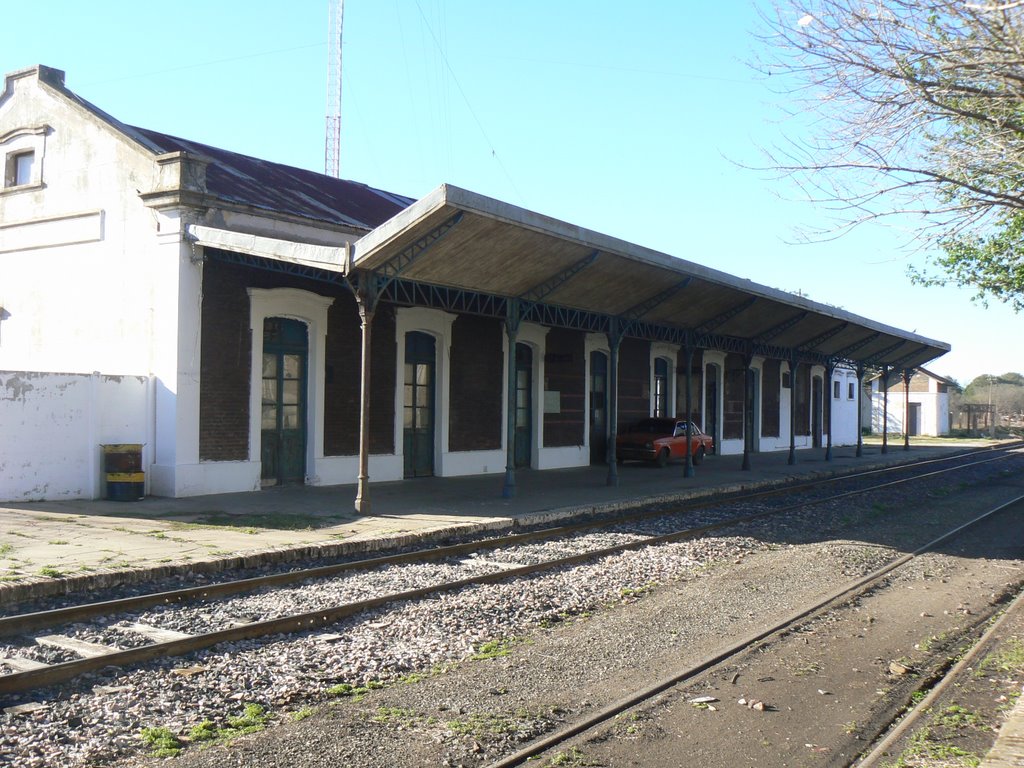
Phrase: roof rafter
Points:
(876, 358)
(709, 325)
(542, 290)
(637, 311)
(821, 338)
(408, 256)
(782, 327)
(857, 345)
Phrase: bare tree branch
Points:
(905, 106)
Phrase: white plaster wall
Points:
(844, 410)
(81, 299)
(934, 413)
(54, 425)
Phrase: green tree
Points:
(917, 108)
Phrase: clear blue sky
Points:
(630, 119)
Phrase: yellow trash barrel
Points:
(122, 468)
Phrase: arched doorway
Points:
(283, 415)
(418, 404)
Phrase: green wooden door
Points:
(418, 410)
(283, 430)
(524, 404)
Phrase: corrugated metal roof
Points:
(500, 249)
(281, 188)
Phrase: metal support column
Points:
(614, 339)
(688, 353)
(748, 411)
(860, 410)
(907, 376)
(792, 408)
(366, 299)
(885, 408)
(512, 321)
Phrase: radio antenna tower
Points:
(332, 151)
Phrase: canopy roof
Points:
(461, 240)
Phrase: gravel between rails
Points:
(98, 721)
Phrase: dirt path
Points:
(828, 688)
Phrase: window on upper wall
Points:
(20, 169)
(835, 390)
(851, 391)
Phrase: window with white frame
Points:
(835, 390)
(19, 168)
(851, 391)
(22, 153)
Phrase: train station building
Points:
(250, 324)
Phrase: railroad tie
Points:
(21, 664)
(231, 621)
(499, 564)
(84, 649)
(156, 634)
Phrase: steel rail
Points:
(908, 720)
(18, 624)
(837, 598)
(19, 682)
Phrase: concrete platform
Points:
(70, 546)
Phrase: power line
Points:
(469, 106)
(201, 64)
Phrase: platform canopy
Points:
(561, 274)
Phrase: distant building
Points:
(928, 401)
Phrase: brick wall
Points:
(634, 382)
(802, 382)
(224, 364)
(477, 384)
(771, 395)
(696, 387)
(732, 406)
(342, 387)
(565, 372)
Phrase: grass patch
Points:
(161, 742)
(6, 549)
(301, 714)
(1009, 658)
(927, 751)
(492, 649)
(50, 572)
(481, 725)
(571, 757)
(396, 716)
(632, 592)
(356, 692)
(954, 717)
(253, 718)
(253, 523)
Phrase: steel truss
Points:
(405, 292)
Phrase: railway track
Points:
(725, 655)
(155, 641)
